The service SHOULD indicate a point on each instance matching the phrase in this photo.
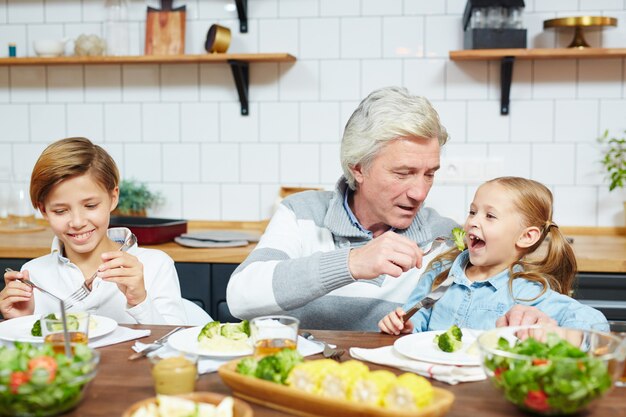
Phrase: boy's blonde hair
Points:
(69, 158)
(555, 270)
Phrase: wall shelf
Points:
(239, 64)
(508, 56)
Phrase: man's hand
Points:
(521, 315)
(389, 253)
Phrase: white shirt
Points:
(58, 275)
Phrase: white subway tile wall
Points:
(179, 127)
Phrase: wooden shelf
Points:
(508, 56)
(541, 53)
(239, 64)
(149, 59)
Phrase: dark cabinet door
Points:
(220, 274)
(195, 283)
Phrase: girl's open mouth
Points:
(475, 242)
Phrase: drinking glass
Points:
(20, 212)
(271, 334)
(77, 329)
(618, 328)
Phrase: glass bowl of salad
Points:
(551, 370)
(37, 382)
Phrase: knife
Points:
(157, 344)
(430, 299)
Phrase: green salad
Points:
(559, 379)
(35, 381)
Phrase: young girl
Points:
(508, 220)
(74, 185)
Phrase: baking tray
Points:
(150, 230)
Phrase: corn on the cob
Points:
(371, 388)
(338, 382)
(307, 376)
(408, 392)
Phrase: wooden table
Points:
(120, 383)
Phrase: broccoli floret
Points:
(458, 235)
(36, 329)
(236, 331)
(209, 330)
(269, 368)
(448, 343)
(455, 332)
(274, 368)
(247, 366)
(288, 358)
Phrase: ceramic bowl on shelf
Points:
(49, 48)
(551, 371)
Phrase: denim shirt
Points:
(478, 304)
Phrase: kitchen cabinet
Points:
(508, 56)
(239, 64)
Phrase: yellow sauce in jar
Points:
(174, 375)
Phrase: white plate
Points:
(18, 329)
(420, 346)
(187, 341)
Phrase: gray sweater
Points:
(300, 266)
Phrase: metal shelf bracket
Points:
(242, 12)
(506, 76)
(241, 74)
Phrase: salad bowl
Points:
(551, 370)
(36, 382)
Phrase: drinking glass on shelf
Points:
(271, 334)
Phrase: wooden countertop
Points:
(598, 249)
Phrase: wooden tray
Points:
(300, 403)
(241, 409)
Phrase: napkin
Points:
(450, 374)
(119, 335)
(207, 365)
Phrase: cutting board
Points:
(165, 30)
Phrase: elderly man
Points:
(343, 259)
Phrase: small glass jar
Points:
(174, 374)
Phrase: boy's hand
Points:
(392, 323)
(16, 299)
(126, 271)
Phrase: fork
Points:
(154, 345)
(329, 352)
(85, 289)
(438, 241)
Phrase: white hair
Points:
(384, 115)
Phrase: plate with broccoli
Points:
(446, 347)
(215, 339)
(28, 328)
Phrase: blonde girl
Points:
(503, 265)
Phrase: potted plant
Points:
(614, 160)
(136, 198)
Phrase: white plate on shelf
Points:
(18, 329)
(186, 341)
(420, 346)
